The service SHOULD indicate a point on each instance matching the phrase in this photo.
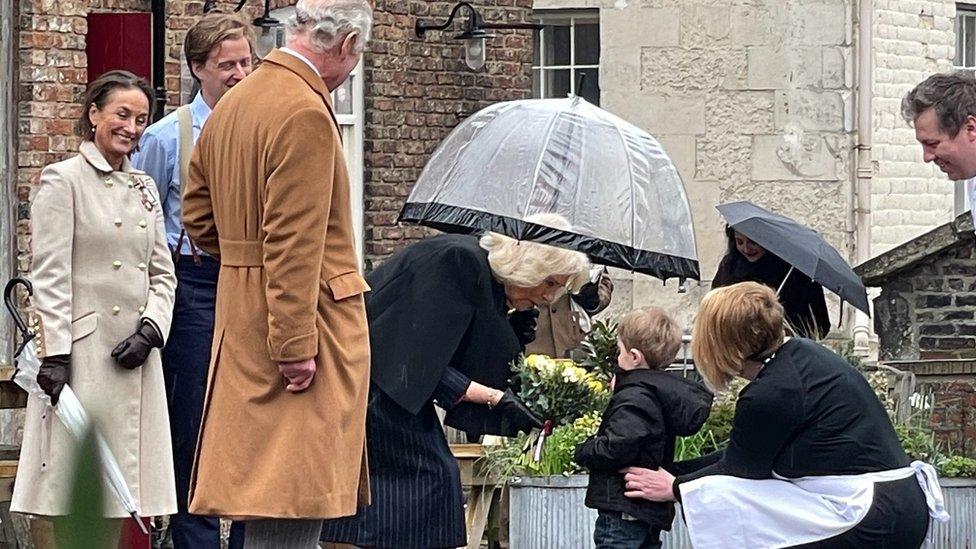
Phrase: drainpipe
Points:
(865, 167)
(159, 56)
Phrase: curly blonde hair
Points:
(528, 264)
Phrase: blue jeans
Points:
(186, 360)
(615, 532)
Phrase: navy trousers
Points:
(186, 359)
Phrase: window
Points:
(566, 49)
(965, 36)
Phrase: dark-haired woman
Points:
(103, 296)
(802, 298)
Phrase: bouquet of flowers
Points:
(558, 389)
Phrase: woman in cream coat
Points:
(103, 295)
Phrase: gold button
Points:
(117, 264)
(142, 266)
(118, 221)
(116, 309)
(107, 181)
(142, 309)
(143, 223)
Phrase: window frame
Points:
(569, 18)
(968, 10)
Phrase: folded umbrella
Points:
(800, 246)
(69, 409)
(613, 182)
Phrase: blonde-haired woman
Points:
(440, 333)
(812, 461)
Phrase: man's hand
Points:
(298, 374)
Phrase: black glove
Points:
(516, 416)
(588, 296)
(523, 323)
(53, 374)
(134, 350)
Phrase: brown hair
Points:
(101, 90)
(652, 332)
(952, 95)
(211, 30)
(736, 323)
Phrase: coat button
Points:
(142, 266)
(142, 309)
(118, 221)
(116, 310)
(143, 224)
(116, 264)
(108, 181)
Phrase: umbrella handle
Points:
(785, 278)
(8, 302)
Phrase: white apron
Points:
(726, 511)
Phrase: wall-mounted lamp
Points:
(267, 39)
(473, 33)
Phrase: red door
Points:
(119, 41)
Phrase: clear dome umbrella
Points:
(613, 182)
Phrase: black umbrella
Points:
(800, 246)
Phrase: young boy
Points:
(649, 408)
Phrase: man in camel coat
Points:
(283, 431)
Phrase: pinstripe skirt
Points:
(414, 481)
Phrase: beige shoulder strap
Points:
(185, 119)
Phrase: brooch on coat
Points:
(147, 197)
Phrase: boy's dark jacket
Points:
(649, 408)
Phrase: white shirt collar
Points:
(290, 51)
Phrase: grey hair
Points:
(952, 95)
(328, 22)
(527, 264)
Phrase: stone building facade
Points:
(757, 100)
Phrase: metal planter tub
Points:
(548, 513)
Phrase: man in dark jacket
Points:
(648, 410)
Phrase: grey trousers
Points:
(282, 534)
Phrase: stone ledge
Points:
(946, 367)
(881, 268)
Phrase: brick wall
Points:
(929, 311)
(954, 414)
(416, 91)
(913, 39)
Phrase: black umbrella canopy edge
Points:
(457, 219)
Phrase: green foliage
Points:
(714, 435)
(558, 389)
(84, 527)
(600, 350)
(958, 466)
(515, 457)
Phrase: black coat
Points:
(802, 298)
(436, 304)
(648, 410)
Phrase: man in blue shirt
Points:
(219, 51)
